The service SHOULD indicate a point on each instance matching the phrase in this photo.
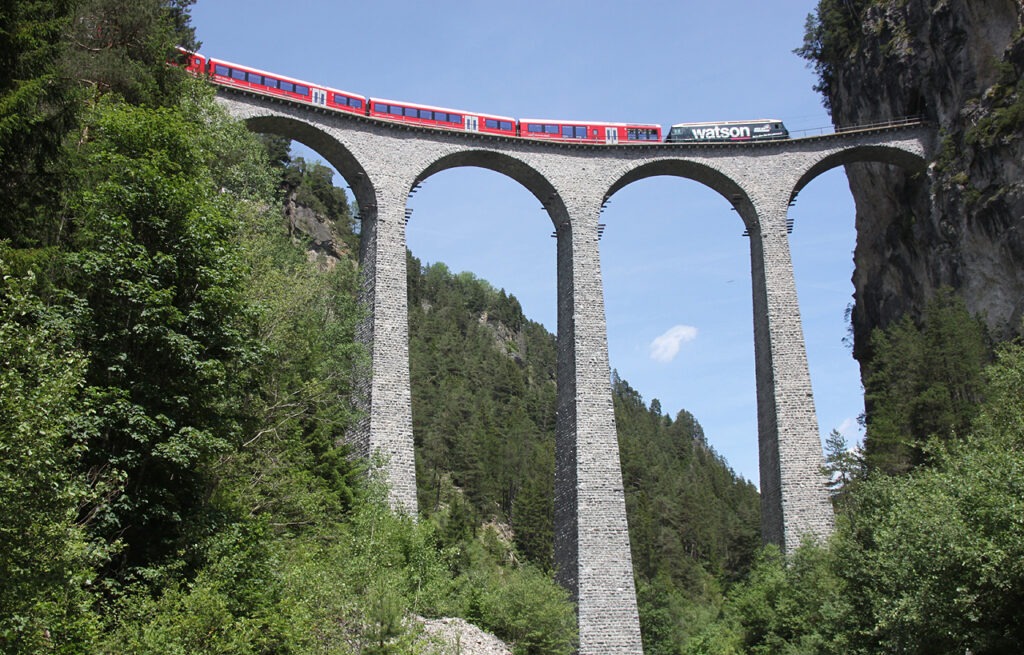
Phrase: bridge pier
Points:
(794, 498)
(384, 394)
(592, 555)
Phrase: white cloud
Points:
(851, 430)
(848, 428)
(665, 348)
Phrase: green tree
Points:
(927, 562)
(166, 329)
(831, 30)
(123, 46)
(38, 106)
(935, 558)
(843, 467)
(44, 554)
(923, 381)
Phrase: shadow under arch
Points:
(336, 154)
(701, 173)
(509, 166)
(878, 154)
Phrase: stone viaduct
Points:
(383, 162)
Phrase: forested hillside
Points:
(483, 381)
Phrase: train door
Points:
(319, 96)
(611, 135)
(472, 123)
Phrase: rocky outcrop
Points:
(459, 637)
(959, 64)
(318, 233)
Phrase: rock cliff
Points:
(958, 64)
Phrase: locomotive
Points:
(762, 129)
(233, 75)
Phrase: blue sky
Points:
(676, 268)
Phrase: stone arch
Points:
(505, 164)
(327, 146)
(884, 154)
(704, 174)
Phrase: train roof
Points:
(406, 103)
(607, 123)
(279, 76)
(744, 122)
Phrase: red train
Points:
(229, 74)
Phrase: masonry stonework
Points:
(382, 162)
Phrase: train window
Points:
(287, 86)
(380, 107)
(415, 113)
(490, 123)
(302, 90)
(222, 70)
(551, 129)
(454, 118)
(533, 127)
(238, 75)
(271, 82)
(394, 110)
(581, 132)
(567, 131)
(355, 103)
(340, 100)
(506, 125)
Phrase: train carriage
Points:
(441, 117)
(236, 75)
(589, 132)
